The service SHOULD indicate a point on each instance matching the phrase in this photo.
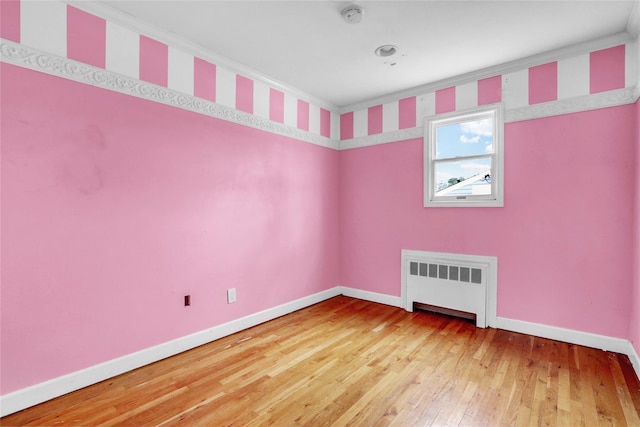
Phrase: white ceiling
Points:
(307, 45)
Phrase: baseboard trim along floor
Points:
(38, 393)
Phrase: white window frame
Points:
(496, 198)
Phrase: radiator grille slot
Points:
(447, 272)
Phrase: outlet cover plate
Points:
(231, 295)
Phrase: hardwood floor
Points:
(351, 362)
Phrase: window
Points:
(463, 159)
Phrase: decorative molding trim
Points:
(33, 395)
(371, 296)
(573, 105)
(382, 138)
(26, 57)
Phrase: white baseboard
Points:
(616, 345)
(371, 296)
(635, 359)
(587, 339)
(38, 393)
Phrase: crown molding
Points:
(505, 68)
(26, 57)
(113, 15)
(633, 24)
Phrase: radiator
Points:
(459, 282)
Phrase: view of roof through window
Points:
(463, 158)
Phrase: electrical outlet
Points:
(231, 295)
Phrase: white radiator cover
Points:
(453, 281)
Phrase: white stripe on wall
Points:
(467, 96)
(361, 123)
(573, 77)
(260, 99)
(515, 89)
(335, 126)
(43, 25)
(180, 71)
(314, 119)
(122, 51)
(290, 110)
(390, 117)
(225, 87)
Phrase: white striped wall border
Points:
(63, 30)
(26, 57)
(578, 77)
(585, 81)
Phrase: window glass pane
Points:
(463, 158)
(463, 177)
(470, 138)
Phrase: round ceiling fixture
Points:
(387, 50)
(352, 14)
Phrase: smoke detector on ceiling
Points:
(352, 14)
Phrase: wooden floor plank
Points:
(351, 362)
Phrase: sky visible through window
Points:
(472, 138)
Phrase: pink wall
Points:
(114, 207)
(86, 37)
(562, 239)
(543, 83)
(204, 79)
(154, 61)
(10, 20)
(446, 100)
